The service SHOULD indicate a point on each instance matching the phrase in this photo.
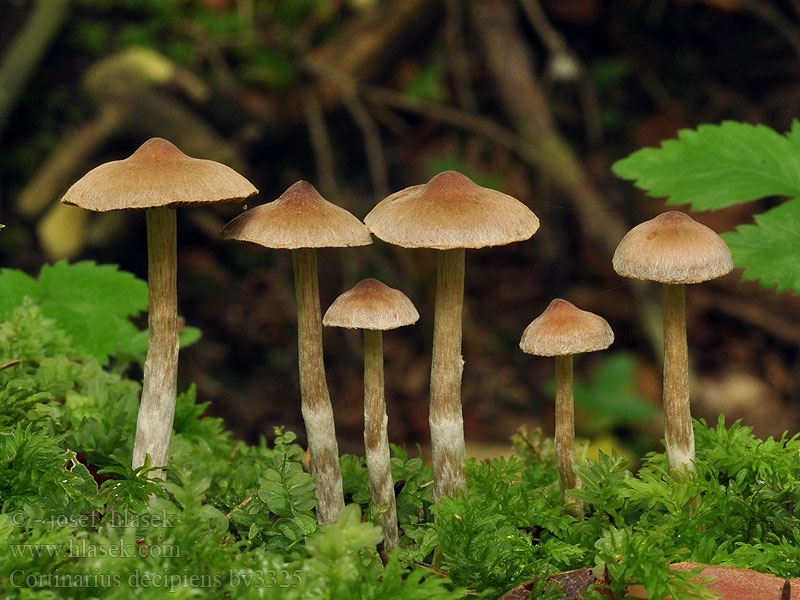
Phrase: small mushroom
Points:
(372, 306)
(158, 177)
(449, 213)
(563, 330)
(674, 249)
(302, 220)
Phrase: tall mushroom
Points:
(674, 249)
(563, 330)
(302, 220)
(373, 306)
(158, 177)
(449, 213)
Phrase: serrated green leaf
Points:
(92, 303)
(716, 166)
(770, 250)
(794, 134)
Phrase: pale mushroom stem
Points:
(679, 435)
(446, 420)
(376, 438)
(159, 387)
(565, 432)
(315, 399)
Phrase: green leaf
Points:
(135, 347)
(344, 535)
(14, 286)
(188, 336)
(769, 250)
(92, 303)
(611, 396)
(718, 165)
(794, 134)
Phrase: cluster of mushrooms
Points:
(450, 213)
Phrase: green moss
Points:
(234, 520)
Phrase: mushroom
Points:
(563, 330)
(158, 177)
(372, 306)
(302, 220)
(449, 213)
(674, 249)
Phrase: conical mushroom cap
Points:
(451, 211)
(157, 174)
(565, 329)
(371, 304)
(299, 218)
(672, 248)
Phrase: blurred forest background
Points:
(536, 98)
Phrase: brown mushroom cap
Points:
(451, 211)
(371, 304)
(672, 248)
(157, 174)
(299, 218)
(565, 329)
